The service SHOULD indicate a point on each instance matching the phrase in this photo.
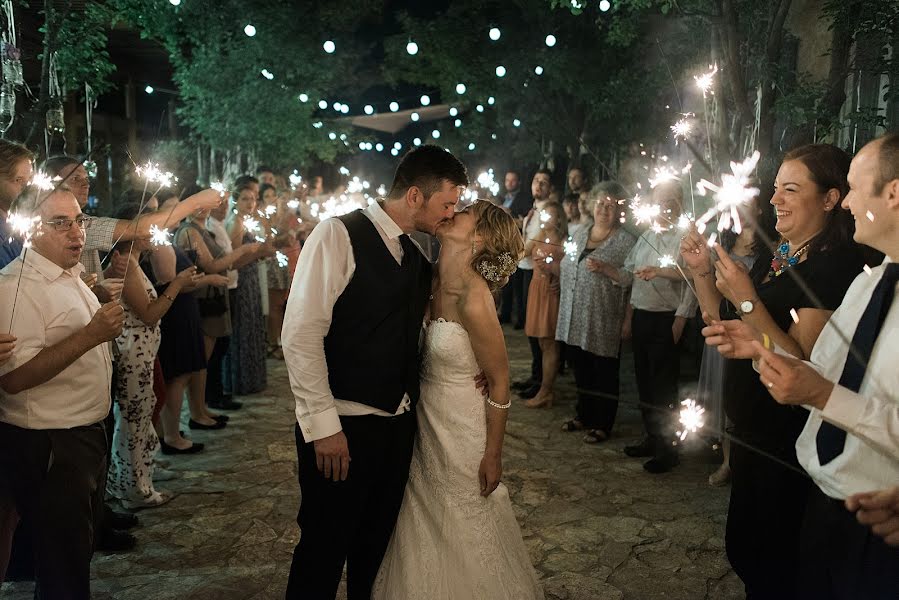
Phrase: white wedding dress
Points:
(449, 541)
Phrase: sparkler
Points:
(270, 210)
(691, 418)
(570, 248)
(160, 237)
(219, 187)
(734, 191)
(293, 204)
(44, 182)
(281, 258)
(682, 128)
(152, 172)
(666, 261)
(295, 180)
(24, 226)
(705, 81)
(487, 181)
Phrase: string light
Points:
(550, 40)
(605, 5)
(425, 100)
(329, 47)
(394, 107)
(491, 100)
(303, 98)
(369, 109)
(479, 108)
(458, 123)
(414, 116)
(412, 48)
(453, 111)
(516, 123)
(435, 134)
(249, 30)
(495, 33)
(149, 89)
(500, 71)
(460, 88)
(322, 104)
(538, 70)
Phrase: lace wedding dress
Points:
(449, 541)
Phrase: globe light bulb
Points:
(425, 100)
(458, 123)
(329, 47)
(516, 123)
(491, 100)
(460, 88)
(379, 147)
(471, 146)
(500, 71)
(412, 48)
(435, 134)
(453, 111)
(417, 141)
(495, 33)
(479, 108)
(394, 107)
(550, 40)
(303, 97)
(322, 104)
(249, 30)
(149, 89)
(538, 70)
(605, 5)
(414, 116)
(369, 109)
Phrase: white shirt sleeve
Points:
(873, 419)
(324, 269)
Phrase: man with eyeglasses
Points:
(54, 396)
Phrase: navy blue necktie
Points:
(831, 439)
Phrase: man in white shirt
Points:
(850, 443)
(54, 395)
(351, 343)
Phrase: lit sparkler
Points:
(682, 128)
(295, 180)
(152, 172)
(293, 204)
(691, 418)
(487, 181)
(544, 217)
(160, 237)
(281, 258)
(570, 247)
(684, 221)
(270, 210)
(219, 187)
(24, 227)
(251, 224)
(665, 174)
(44, 182)
(705, 81)
(666, 261)
(734, 191)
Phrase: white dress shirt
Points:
(52, 304)
(530, 229)
(660, 294)
(324, 270)
(218, 231)
(870, 458)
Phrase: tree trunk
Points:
(730, 45)
(833, 101)
(773, 46)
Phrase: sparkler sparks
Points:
(270, 210)
(682, 128)
(665, 174)
(160, 237)
(794, 315)
(705, 81)
(691, 418)
(295, 180)
(570, 248)
(735, 190)
(44, 182)
(666, 261)
(24, 226)
(219, 187)
(251, 224)
(152, 172)
(545, 216)
(487, 181)
(293, 204)
(684, 221)
(281, 258)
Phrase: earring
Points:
(473, 248)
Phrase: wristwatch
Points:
(746, 307)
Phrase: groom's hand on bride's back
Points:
(332, 455)
(481, 383)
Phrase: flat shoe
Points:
(595, 436)
(192, 449)
(197, 425)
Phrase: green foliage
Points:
(81, 42)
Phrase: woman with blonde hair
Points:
(456, 536)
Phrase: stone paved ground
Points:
(597, 526)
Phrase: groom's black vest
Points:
(372, 348)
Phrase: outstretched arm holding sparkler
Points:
(140, 227)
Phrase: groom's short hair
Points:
(427, 167)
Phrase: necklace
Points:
(782, 259)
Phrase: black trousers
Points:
(55, 478)
(657, 369)
(507, 299)
(596, 378)
(536, 354)
(840, 558)
(520, 282)
(764, 518)
(351, 521)
(215, 389)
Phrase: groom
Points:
(351, 342)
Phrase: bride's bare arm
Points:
(478, 314)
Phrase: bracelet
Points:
(706, 274)
(167, 297)
(766, 341)
(500, 406)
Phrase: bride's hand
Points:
(490, 472)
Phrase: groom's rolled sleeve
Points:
(323, 271)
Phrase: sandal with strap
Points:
(573, 425)
(595, 436)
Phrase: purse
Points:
(213, 304)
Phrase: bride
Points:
(456, 536)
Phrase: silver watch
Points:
(746, 307)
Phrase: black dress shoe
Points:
(197, 425)
(662, 463)
(121, 520)
(112, 540)
(222, 418)
(645, 448)
(530, 392)
(192, 449)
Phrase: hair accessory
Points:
(497, 269)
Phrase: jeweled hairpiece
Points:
(497, 269)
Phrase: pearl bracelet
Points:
(501, 406)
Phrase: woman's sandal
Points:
(595, 436)
(573, 425)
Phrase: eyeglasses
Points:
(66, 224)
(79, 181)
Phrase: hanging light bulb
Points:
(605, 5)
(538, 70)
(412, 48)
(414, 116)
(394, 107)
(460, 88)
(249, 30)
(425, 100)
(303, 98)
(453, 111)
(329, 47)
(550, 40)
(495, 33)
(500, 71)
(322, 104)
(369, 109)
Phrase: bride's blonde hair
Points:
(501, 244)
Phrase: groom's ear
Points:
(414, 197)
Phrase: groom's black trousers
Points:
(350, 521)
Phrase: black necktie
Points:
(407, 245)
(831, 439)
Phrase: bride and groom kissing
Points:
(400, 452)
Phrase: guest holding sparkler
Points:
(790, 293)
(591, 276)
(182, 353)
(54, 396)
(247, 352)
(543, 297)
(281, 223)
(849, 444)
(135, 443)
(660, 304)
